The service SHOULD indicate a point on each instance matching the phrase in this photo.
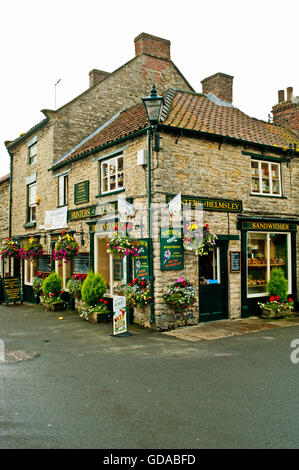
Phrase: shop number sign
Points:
(119, 315)
(12, 289)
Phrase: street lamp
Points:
(153, 106)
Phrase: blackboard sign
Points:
(81, 192)
(141, 263)
(12, 289)
(44, 264)
(235, 261)
(118, 271)
(81, 263)
(171, 246)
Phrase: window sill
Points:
(268, 195)
(29, 225)
(110, 192)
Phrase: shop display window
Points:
(209, 268)
(29, 271)
(266, 251)
(265, 178)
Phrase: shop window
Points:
(63, 190)
(266, 251)
(210, 267)
(31, 202)
(4, 267)
(112, 174)
(29, 271)
(265, 178)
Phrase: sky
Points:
(43, 42)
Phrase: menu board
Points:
(119, 315)
(81, 263)
(141, 262)
(171, 247)
(12, 289)
(235, 261)
(44, 264)
(81, 192)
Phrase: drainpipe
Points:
(10, 194)
(150, 242)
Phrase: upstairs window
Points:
(112, 174)
(32, 150)
(265, 178)
(63, 190)
(32, 202)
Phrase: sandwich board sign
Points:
(119, 315)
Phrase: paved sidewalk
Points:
(226, 328)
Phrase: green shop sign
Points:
(268, 226)
(171, 247)
(141, 262)
(81, 192)
(210, 204)
(83, 213)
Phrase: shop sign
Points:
(210, 204)
(269, 226)
(56, 218)
(141, 262)
(81, 192)
(171, 247)
(119, 315)
(12, 289)
(83, 213)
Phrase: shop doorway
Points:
(112, 269)
(213, 284)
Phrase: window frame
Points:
(29, 204)
(108, 161)
(29, 265)
(65, 190)
(259, 176)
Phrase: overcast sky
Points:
(41, 42)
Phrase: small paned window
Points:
(62, 190)
(265, 178)
(112, 174)
(32, 202)
(32, 149)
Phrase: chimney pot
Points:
(153, 45)
(280, 96)
(289, 93)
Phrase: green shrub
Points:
(278, 285)
(52, 284)
(93, 288)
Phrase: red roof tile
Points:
(4, 178)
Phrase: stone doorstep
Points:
(227, 328)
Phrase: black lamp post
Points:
(153, 105)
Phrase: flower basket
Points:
(10, 249)
(121, 245)
(31, 250)
(138, 293)
(201, 242)
(180, 295)
(65, 248)
(275, 308)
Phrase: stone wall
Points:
(4, 207)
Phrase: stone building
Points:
(241, 171)
(4, 217)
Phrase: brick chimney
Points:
(152, 45)
(220, 84)
(96, 76)
(286, 113)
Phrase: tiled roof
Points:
(4, 178)
(190, 111)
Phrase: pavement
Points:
(226, 328)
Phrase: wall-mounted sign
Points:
(81, 263)
(12, 289)
(269, 226)
(235, 261)
(81, 192)
(210, 204)
(56, 218)
(141, 262)
(171, 247)
(119, 315)
(83, 213)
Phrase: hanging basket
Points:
(200, 242)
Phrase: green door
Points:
(213, 284)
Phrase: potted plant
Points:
(199, 241)
(66, 248)
(10, 249)
(180, 295)
(31, 250)
(52, 291)
(121, 245)
(37, 284)
(278, 305)
(94, 308)
(138, 296)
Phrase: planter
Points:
(53, 307)
(271, 313)
(100, 317)
(141, 316)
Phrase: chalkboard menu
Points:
(12, 289)
(44, 264)
(81, 263)
(118, 271)
(141, 263)
(235, 261)
(171, 246)
(81, 192)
